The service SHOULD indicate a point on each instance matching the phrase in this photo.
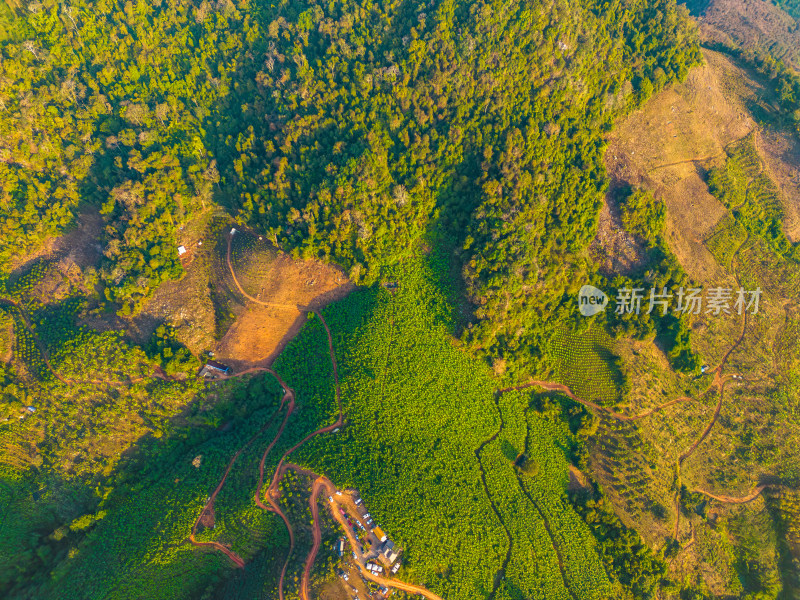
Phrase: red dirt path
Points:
(272, 494)
(754, 493)
(323, 483)
(208, 510)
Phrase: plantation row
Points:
(753, 198)
(415, 461)
(586, 363)
(576, 545)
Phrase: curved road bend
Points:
(209, 505)
(754, 493)
(273, 494)
(323, 483)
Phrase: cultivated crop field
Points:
(727, 238)
(587, 363)
(437, 469)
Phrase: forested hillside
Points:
(343, 131)
(379, 136)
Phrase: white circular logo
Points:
(591, 300)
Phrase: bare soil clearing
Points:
(754, 493)
(206, 300)
(185, 305)
(277, 286)
(615, 249)
(667, 146)
(263, 329)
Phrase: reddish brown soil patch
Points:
(260, 332)
(207, 518)
(577, 480)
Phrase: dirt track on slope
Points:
(207, 513)
(272, 493)
(718, 384)
(754, 493)
(553, 386)
(305, 593)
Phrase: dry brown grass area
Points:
(333, 590)
(185, 304)
(753, 23)
(209, 313)
(666, 147)
(78, 247)
(780, 153)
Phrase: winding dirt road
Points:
(272, 493)
(208, 509)
(553, 386)
(719, 384)
(754, 493)
(322, 483)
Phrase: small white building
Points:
(181, 250)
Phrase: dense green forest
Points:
(343, 131)
(370, 135)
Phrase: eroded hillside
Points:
(720, 172)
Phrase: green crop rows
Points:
(726, 240)
(586, 362)
(416, 464)
(746, 190)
